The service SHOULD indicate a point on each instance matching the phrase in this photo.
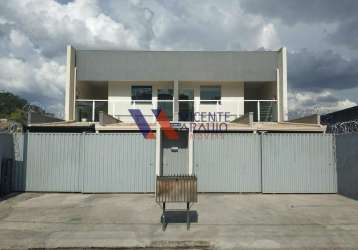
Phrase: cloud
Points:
(193, 25)
(306, 103)
(292, 12)
(346, 34)
(41, 84)
(342, 14)
(320, 70)
(33, 36)
(51, 25)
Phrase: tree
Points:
(14, 108)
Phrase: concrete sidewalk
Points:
(258, 221)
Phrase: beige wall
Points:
(121, 91)
(232, 93)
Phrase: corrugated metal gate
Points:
(227, 162)
(53, 162)
(125, 162)
(120, 162)
(298, 163)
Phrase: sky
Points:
(321, 37)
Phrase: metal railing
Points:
(264, 110)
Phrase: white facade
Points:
(119, 98)
(260, 85)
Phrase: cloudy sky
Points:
(321, 37)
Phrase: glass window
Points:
(165, 101)
(208, 93)
(84, 111)
(142, 93)
(165, 94)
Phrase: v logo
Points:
(162, 119)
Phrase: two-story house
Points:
(182, 83)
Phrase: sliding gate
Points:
(227, 162)
(223, 162)
(90, 163)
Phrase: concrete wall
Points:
(176, 65)
(347, 164)
(6, 148)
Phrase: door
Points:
(186, 105)
(175, 155)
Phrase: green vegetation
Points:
(14, 108)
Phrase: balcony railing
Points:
(88, 110)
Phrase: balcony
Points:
(264, 110)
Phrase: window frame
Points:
(213, 101)
(143, 101)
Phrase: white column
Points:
(196, 98)
(278, 96)
(93, 110)
(70, 88)
(283, 83)
(154, 103)
(191, 152)
(176, 103)
(157, 149)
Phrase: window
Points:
(208, 93)
(142, 93)
(165, 94)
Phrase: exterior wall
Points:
(6, 148)
(11, 146)
(347, 164)
(121, 91)
(230, 91)
(19, 169)
(181, 66)
(99, 65)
